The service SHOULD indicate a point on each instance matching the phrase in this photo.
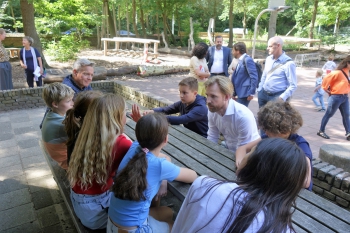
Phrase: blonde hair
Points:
(56, 92)
(92, 155)
(319, 72)
(224, 83)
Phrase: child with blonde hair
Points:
(59, 98)
(319, 92)
(98, 151)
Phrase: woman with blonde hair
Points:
(98, 151)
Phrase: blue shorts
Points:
(92, 210)
(151, 225)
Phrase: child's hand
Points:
(162, 192)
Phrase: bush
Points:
(66, 48)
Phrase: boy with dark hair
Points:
(192, 108)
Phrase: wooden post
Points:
(155, 47)
(105, 48)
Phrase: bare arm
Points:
(186, 175)
(243, 150)
(308, 175)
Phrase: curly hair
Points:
(91, 158)
(200, 50)
(279, 117)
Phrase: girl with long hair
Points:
(260, 200)
(75, 117)
(139, 177)
(99, 149)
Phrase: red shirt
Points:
(121, 146)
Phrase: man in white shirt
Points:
(219, 58)
(233, 120)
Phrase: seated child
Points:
(330, 65)
(59, 98)
(139, 178)
(257, 201)
(98, 151)
(192, 107)
(75, 117)
(280, 119)
(319, 92)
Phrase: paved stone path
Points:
(29, 197)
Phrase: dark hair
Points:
(269, 183)
(241, 47)
(216, 37)
(151, 131)
(190, 82)
(344, 63)
(75, 116)
(279, 117)
(200, 50)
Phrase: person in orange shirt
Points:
(337, 85)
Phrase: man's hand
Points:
(250, 97)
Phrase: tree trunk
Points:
(119, 24)
(311, 32)
(134, 18)
(127, 19)
(158, 32)
(272, 24)
(142, 20)
(230, 24)
(114, 21)
(244, 20)
(27, 11)
(14, 20)
(171, 34)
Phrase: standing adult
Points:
(279, 79)
(234, 121)
(198, 66)
(30, 60)
(337, 85)
(245, 76)
(5, 66)
(219, 58)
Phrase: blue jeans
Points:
(335, 102)
(243, 101)
(320, 97)
(264, 97)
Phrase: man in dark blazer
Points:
(219, 58)
(245, 76)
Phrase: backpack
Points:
(258, 69)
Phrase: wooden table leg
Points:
(105, 48)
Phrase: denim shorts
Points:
(151, 225)
(92, 210)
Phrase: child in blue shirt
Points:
(319, 92)
(139, 178)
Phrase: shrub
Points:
(66, 48)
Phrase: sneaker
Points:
(321, 110)
(347, 136)
(323, 134)
(318, 108)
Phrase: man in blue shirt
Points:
(279, 78)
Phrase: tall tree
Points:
(312, 25)
(27, 10)
(230, 23)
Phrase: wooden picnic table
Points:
(188, 149)
(118, 40)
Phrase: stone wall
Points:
(332, 183)
(31, 97)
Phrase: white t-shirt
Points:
(193, 216)
(198, 64)
(330, 65)
(218, 62)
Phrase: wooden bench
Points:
(118, 40)
(188, 149)
(14, 52)
(60, 176)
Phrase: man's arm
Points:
(253, 75)
(213, 131)
(195, 114)
(247, 128)
(290, 72)
(229, 57)
(263, 78)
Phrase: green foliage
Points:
(67, 48)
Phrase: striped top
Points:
(4, 56)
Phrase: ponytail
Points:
(131, 182)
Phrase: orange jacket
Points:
(336, 82)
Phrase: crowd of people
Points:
(116, 184)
